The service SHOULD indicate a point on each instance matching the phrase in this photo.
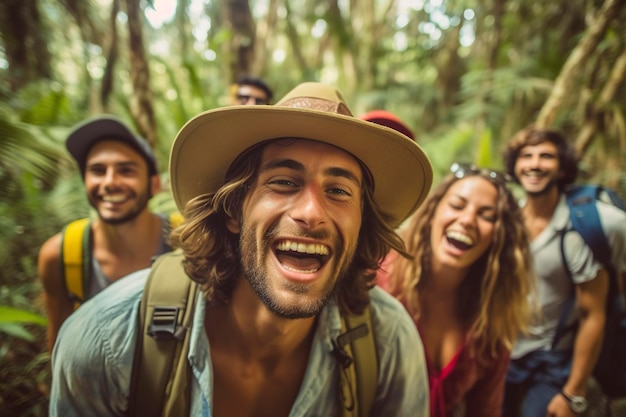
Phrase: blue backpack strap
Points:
(585, 220)
(610, 368)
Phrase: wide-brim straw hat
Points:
(207, 145)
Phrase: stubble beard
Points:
(544, 191)
(132, 214)
(252, 263)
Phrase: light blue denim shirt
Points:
(92, 359)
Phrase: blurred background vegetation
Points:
(465, 75)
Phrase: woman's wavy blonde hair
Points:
(494, 296)
(211, 251)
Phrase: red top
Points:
(467, 381)
(470, 383)
(436, 380)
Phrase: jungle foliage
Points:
(464, 74)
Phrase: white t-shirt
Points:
(554, 283)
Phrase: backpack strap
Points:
(76, 258)
(160, 376)
(355, 350)
(160, 379)
(585, 220)
(76, 254)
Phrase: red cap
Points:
(385, 118)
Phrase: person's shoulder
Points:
(95, 347)
(51, 248)
(49, 261)
(607, 209)
(383, 301)
(613, 221)
(120, 293)
(389, 316)
(395, 334)
(110, 311)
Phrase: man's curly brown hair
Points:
(211, 251)
(531, 136)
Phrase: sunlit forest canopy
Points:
(464, 75)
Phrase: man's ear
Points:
(232, 224)
(155, 184)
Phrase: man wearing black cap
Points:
(120, 175)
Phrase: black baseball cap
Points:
(91, 131)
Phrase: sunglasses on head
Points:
(461, 170)
(244, 98)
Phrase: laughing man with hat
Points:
(120, 175)
(288, 210)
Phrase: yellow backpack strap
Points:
(76, 254)
(355, 350)
(160, 380)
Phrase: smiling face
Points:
(537, 168)
(117, 181)
(300, 226)
(463, 223)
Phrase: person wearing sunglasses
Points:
(467, 287)
(251, 91)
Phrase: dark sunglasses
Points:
(243, 99)
(461, 170)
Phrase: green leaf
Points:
(15, 330)
(9, 315)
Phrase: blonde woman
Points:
(467, 288)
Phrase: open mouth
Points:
(301, 257)
(459, 240)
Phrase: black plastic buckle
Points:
(347, 338)
(163, 323)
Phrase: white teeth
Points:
(461, 237)
(309, 248)
(114, 198)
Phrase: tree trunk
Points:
(81, 12)
(294, 41)
(111, 48)
(25, 38)
(184, 29)
(265, 38)
(244, 35)
(494, 47)
(141, 100)
(566, 79)
(617, 77)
